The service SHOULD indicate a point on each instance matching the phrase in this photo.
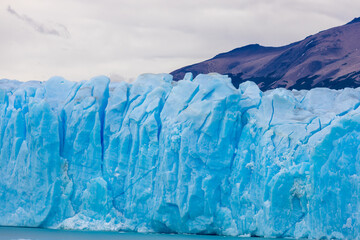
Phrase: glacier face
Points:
(195, 156)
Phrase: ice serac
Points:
(194, 156)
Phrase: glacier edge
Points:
(194, 156)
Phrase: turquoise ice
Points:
(194, 156)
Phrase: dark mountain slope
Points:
(330, 59)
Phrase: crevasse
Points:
(194, 156)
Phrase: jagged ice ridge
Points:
(194, 156)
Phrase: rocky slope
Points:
(330, 59)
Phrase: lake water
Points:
(14, 233)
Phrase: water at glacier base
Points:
(16, 233)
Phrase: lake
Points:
(15, 233)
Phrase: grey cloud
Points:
(58, 30)
(123, 39)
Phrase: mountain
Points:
(329, 58)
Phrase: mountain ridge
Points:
(329, 58)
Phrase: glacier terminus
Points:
(195, 156)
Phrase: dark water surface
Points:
(15, 233)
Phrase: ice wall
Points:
(194, 156)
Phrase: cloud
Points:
(57, 30)
(122, 38)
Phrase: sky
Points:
(80, 39)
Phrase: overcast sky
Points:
(79, 39)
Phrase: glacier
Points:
(195, 156)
